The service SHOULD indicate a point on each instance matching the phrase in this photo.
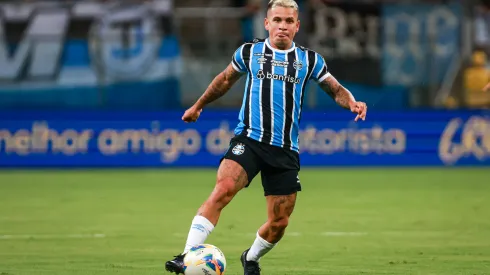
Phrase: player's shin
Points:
(198, 233)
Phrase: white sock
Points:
(259, 249)
(200, 229)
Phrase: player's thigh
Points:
(280, 182)
(240, 158)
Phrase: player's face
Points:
(282, 24)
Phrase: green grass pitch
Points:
(346, 221)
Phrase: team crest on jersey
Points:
(238, 149)
(298, 65)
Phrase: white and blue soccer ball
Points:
(204, 259)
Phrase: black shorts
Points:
(279, 167)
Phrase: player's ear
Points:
(266, 24)
(298, 23)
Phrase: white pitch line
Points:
(337, 234)
(296, 234)
(52, 236)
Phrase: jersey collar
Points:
(293, 46)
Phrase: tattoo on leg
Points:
(283, 205)
(278, 203)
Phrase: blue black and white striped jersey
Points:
(274, 91)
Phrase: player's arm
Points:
(343, 97)
(332, 87)
(218, 87)
(221, 84)
(337, 92)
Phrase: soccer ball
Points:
(204, 259)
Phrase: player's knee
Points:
(279, 224)
(224, 191)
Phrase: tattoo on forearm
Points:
(340, 94)
(216, 89)
(343, 97)
(219, 86)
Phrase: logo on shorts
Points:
(238, 149)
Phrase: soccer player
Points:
(266, 138)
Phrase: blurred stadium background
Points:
(100, 176)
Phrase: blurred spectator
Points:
(482, 26)
(304, 17)
(247, 22)
(476, 78)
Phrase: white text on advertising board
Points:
(172, 144)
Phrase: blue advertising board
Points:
(419, 42)
(115, 139)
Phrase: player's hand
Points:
(192, 114)
(360, 108)
(487, 88)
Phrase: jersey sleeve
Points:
(237, 61)
(320, 70)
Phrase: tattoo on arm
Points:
(219, 86)
(339, 93)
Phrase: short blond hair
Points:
(282, 3)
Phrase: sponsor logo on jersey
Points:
(279, 63)
(261, 60)
(286, 78)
